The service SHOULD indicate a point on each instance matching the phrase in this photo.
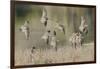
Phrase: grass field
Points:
(62, 55)
(45, 54)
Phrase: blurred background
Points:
(70, 17)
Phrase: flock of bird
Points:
(50, 31)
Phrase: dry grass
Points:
(45, 54)
(64, 54)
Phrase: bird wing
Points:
(44, 13)
(61, 27)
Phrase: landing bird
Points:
(83, 27)
(25, 29)
(50, 24)
(44, 17)
(61, 28)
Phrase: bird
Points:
(79, 39)
(83, 28)
(44, 17)
(25, 29)
(49, 23)
(46, 36)
(50, 39)
(61, 28)
(33, 49)
(32, 54)
(53, 41)
(76, 39)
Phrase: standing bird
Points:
(32, 54)
(46, 36)
(53, 41)
(79, 39)
(50, 39)
(72, 40)
(33, 49)
(25, 29)
(76, 40)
